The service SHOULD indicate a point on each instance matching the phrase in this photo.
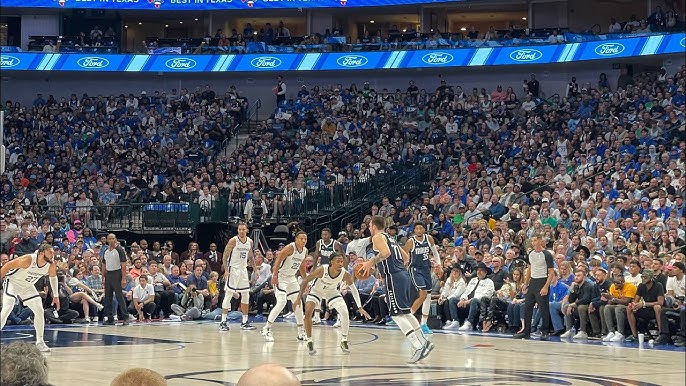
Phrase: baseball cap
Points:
(77, 222)
(545, 199)
(499, 246)
(648, 273)
(645, 199)
(423, 208)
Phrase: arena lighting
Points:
(196, 19)
(371, 21)
(524, 18)
(463, 29)
(181, 22)
(140, 23)
(126, 26)
(166, 26)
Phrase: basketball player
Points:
(418, 247)
(322, 255)
(390, 261)
(289, 262)
(21, 275)
(327, 278)
(237, 255)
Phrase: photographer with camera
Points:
(255, 209)
(192, 304)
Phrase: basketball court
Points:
(197, 354)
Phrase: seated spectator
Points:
(478, 288)
(578, 299)
(647, 304)
(143, 300)
(556, 38)
(191, 306)
(621, 294)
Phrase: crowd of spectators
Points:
(598, 174)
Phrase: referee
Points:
(539, 275)
(115, 279)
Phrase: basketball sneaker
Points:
(301, 335)
(247, 326)
(426, 330)
(428, 347)
(223, 326)
(417, 355)
(310, 347)
(344, 346)
(267, 334)
(42, 347)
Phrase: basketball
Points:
(358, 272)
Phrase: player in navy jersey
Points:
(421, 248)
(390, 260)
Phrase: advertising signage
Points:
(208, 5)
(350, 61)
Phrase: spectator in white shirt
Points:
(478, 287)
(556, 38)
(614, 27)
(143, 299)
(450, 293)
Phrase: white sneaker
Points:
(42, 347)
(466, 326)
(267, 334)
(99, 306)
(301, 335)
(447, 325)
(337, 324)
(316, 319)
(132, 318)
(288, 315)
(609, 336)
(416, 355)
(581, 335)
(567, 334)
(96, 319)
(453, 325)
(617, 338)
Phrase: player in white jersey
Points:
(288, 263)
(326, 279)
(20, 276)
(237, 256)
(323, 250)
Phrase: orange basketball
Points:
(358, 272)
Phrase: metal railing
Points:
(337, 203)
(251, 113)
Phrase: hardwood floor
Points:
(196, 353)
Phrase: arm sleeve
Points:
(356, 295)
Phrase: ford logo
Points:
(352, 61)
(526, 55)
(683, 42)
(180, 63)
(265, 62)
(437, 58)
(7, 61)
(93, 62)
(609, 49)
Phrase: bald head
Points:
(268, 374)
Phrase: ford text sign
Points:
(437, 58)
(526, 55)
(180, 64)
(352, 61)
(609, 49)
(7, 61)
(93, 62)
(266, 62)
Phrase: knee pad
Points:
(245, 297)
